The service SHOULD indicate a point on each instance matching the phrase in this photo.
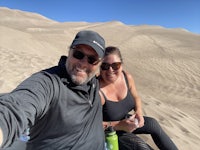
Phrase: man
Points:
(60, 105)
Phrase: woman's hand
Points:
(127, 125)
(140, 119)
(105, 125)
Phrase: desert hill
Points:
(164, 62)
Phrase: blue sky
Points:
(167, 13)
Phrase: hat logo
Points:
(95, 42)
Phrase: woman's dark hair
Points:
(113, 50)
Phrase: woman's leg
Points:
(159, 136)
(129, 141)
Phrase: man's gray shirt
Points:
(60, 114)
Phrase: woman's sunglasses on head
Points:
(93, 60)
(115, 66)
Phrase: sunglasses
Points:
(90, 58)
(115, 66)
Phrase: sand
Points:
(165, 64)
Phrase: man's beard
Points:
(78, 80)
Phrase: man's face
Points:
(82, 64)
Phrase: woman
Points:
(119, 97)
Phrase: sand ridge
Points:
(165, 64)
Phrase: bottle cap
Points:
(110, 130)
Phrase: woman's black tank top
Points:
(114, 111)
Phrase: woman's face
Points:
(111, 68)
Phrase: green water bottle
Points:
(111, 139)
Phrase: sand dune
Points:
(164, 62)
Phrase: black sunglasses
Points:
(91, 59)
(115, 66)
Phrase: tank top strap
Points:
(126, 79)
(103, 94)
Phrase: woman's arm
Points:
(126, 125)
(137, 99)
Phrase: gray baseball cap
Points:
(92, 39)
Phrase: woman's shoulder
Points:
(129, 78)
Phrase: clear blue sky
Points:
(167, 13)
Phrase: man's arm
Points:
(1, 137)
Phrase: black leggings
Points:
(160, 138)
(130, 141)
